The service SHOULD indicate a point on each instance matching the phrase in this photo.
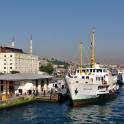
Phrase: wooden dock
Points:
(54, 97)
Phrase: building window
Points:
(10, 63)
(4, 55)
(10, 67)
(4, 59)
(83, 77)
(10, 55)
(4, 63)
(77, 71)
(4, 67)
(10, 59)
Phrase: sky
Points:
(58, 26)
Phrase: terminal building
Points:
(24, 83)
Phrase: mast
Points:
(92, 50)
(80, 57)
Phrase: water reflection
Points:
(89, 114)
(29, 114)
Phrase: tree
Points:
(48, 68)
(14, 72)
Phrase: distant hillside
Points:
(57, 62)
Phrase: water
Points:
(111, 112)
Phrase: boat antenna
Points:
(81, 58)
(93, 51)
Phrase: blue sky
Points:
(57, 26)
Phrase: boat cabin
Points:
(91, 70)
(99, 75)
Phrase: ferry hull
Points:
(82, 93)
(101, 99)
(81, 102)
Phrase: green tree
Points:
(14, 72)
(48, 68)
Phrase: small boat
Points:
(89, 84)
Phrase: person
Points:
(44, 92)
(51, 90)
(11, 93)
(33, 92)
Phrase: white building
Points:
(12, 59)
(24, 63)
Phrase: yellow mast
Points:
(92, 50)
(80, 57)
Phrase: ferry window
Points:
(4, 55)
(102, 78)
(83, 77)
(77, 71)
(75, 76)
(93, 70)
(83, 70)
(87, 77)
(10, 55)
(90, 70)
(96, 78)
(4, 67)
(99, 70)
(99, 78)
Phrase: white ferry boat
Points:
(87, 85)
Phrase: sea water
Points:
(111, 112)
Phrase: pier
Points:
(9, 102)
